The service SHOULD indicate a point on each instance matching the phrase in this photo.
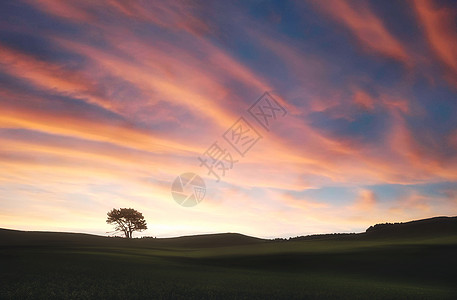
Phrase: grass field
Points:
(75, 266)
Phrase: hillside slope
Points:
(427, 228)
(10, 237)
(438, 226)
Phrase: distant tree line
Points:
(381, 226)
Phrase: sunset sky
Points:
(105, 103)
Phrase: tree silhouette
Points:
(126, 220)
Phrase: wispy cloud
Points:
(366, 26)
(438, 23)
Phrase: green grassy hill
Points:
(414, 260)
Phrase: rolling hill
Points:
(413, 260)
(426, 228)
(438, 226)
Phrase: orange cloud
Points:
(413, 204)
(366, 201)
(188, 85)
(369, 29)
(173, 14)
(20, 115)
(65, 9)
(418, 161)
(364, 100)
(439, 26)
(51, 77)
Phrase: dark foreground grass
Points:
(317, 269)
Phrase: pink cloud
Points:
(369, 29)
(438, 23)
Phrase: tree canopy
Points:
(126, 220)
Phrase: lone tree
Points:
(126, 220)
